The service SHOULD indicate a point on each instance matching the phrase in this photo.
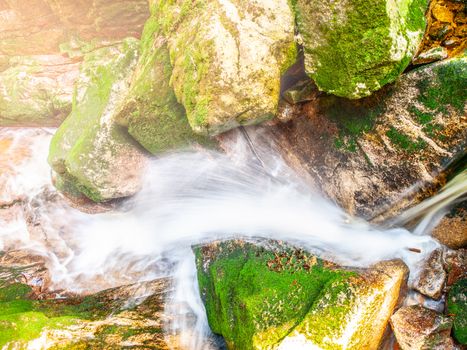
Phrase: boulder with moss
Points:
(265, 295)
(353, 48)
(227, 58)
(150, 110)
(99, 321)
(457, 307)
(37, 90)
(379, 155)
(90, 152)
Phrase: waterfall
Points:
(193, 197)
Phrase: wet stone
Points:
(418, 328)
(432, 277)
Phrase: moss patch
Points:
(349, 46)
(457, 307)
(255, 296)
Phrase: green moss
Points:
(457, 307)
(352, 118)
(448, 88)
(405, 142)
(255, 297)
(13, 292)
(351, 53)
(151, 111)
(77, 152)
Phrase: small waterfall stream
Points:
(189, 198)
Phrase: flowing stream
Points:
(189, 198)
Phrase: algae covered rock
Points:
(351, 314)
(257, 294)
(150, 110)
(418, 328)
(382, 154)
(89, 151)
(227, 58)
(355, 47)
(105, 320)
(457, 307)
(37, 90)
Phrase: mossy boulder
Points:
(89, 150)
(227, 58)
(355, 47)
(382, 154)
(151, 111)
(36, 90)
(457, 307)
(105, 320)
(265, 295)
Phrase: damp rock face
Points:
(353, 48)
(432, 277)
(227, 58)
(97, 321)
(268, 295)
(90, 153)
(36, 90)
(150, 110)
(418, 328)
(379, 155)
(450, 231)
(38, 27)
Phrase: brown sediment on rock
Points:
(446, 29)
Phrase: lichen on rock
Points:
(36, 90)
(90, 149)
(227, 59)
(353, 48)
(150, 110)
(264, 295)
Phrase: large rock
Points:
(353, 48)
(431, 279)
(38, 27)
(150, 111)
(268, 295)
(451, 230)
(457, 307)
(379, 155)
(227, 58)
(37, 90)
(90, 153)
(417, 328)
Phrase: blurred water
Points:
(187, 198)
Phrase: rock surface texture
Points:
(227, 58)
(150, 110)
(269, 295)
(36, 77)
(457, 307)
(378, 155)
(417, 328)
(90, 152)
(355, 47)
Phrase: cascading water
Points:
(189, 198)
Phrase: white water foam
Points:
(189, 198)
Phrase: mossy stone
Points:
(254, 296)
(457, 307)
(353, 47)
(88, 146)
(150, 110)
